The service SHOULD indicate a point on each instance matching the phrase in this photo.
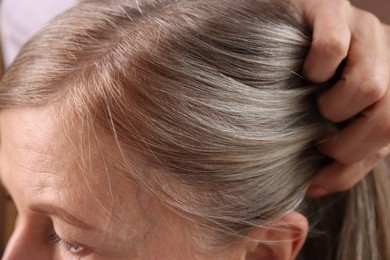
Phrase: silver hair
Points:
(209, 93)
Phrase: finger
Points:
(331, 38)
(365, 135)
(387, 32)
(366, 75)
(338, 177)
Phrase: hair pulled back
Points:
(209, 94)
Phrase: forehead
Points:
(20, 125)
(39, 164)
(32, 138)
(36, 150)
(27, 139)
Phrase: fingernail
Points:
(316, 192)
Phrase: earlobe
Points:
(280, 241)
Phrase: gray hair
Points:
(209, 93)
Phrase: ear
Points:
(279, 241)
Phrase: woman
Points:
(175, 130)
(338, 29)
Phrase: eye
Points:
(69, 247)
(73, 248)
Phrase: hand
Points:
(340, 32)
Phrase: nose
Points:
(25, 243)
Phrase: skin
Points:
(31, 175)
(95, 211)
(341, 31)
(39, 171)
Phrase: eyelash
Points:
(54, 238)
(69, 247)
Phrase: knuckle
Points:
(368, 18)
(333, 45)
(345, 4)
(341, 3)
(369, 86)
(372, 87)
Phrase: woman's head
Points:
(183, 122)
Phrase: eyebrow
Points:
(62, 215)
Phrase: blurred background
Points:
(381, 8)
(7, 210)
